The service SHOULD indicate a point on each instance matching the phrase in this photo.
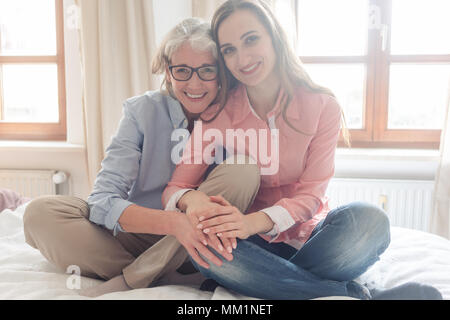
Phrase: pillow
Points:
(11, 200)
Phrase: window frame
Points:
(375, 132)
(38, 130)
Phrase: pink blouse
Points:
(292, 189)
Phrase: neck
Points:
(191, 117)
(263, 97)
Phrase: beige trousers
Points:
(59, 227)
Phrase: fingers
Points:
(220, 200)
(213, 212)
(204, 251)
(216, 243)
(234, 243)
(193, 253)
(231, 234)
(215, 221)
(227, 244)
(222, 228)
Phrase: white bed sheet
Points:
(25, 274)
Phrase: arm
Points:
(144, 220)
(139, 219)
(119, 170)
(180, 192)
(309, 189)
(311, 186)
(188, 174)
(232, 223)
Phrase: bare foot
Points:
(113, 285)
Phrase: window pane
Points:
(285, 12)
(30, 93)
(27, 27)
(347, 81)
(418, 95)
(332, 28)
(420, 27)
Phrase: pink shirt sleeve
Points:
(189, 172)
(310, 189)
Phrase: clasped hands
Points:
(217, 224)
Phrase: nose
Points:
(195, 81)
(243, 59)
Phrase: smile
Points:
(250, 69)
(195, 96)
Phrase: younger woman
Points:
(291, 245)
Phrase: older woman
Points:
(105, 235)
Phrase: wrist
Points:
(190, 198)
(259, 222)
(173, 222)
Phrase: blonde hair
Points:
(289, 66)
(194, 31)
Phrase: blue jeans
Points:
(341, 247)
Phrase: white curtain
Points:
(117, 43)
(440, 219)
(205, 8)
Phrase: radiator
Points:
(408, 203)
(29, 183)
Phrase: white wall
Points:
(168, 13)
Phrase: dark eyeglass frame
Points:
(196, 70)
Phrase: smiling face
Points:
(195, 95)
(247, 49)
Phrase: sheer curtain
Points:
(205, 8)
(440, 219)
(117, 42)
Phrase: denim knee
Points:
(370, 221)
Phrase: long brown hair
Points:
(289, 67)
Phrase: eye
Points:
(251, 39)
(209, 69)
(227, 51)
(182, 70)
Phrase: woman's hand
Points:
(195, 204)
(228, 222)
(188, 237)
(224, 245)
(232, 223)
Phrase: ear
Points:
(168, 77)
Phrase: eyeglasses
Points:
(184, 73)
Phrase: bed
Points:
(25, 274)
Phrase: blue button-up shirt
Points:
(138, 163)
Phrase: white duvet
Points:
(26, 274)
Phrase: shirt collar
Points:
(241, 107)
(177, 115)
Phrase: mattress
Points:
(25, 274)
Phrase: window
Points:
(32, 86)
(387, 61)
